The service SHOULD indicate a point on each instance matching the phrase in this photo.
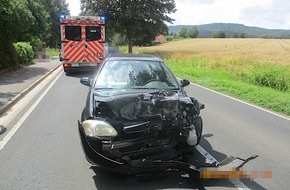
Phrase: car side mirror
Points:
(86, 81)
(184, 82)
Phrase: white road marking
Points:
(13, 130)
(257, 107)
(239, 184)
(210, 159)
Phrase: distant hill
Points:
(206, 30)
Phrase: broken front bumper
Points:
(229, 168)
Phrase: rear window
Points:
(73, 33)
(93, 33)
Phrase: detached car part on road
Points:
(138, 118)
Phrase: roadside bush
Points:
(24, 52)
(169, 38)
(35, 42)
(7, 56)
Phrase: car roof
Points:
(131, 56)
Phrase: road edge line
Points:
(14, 129)
(244, 102)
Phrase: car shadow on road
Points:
(81, 74)
(163, 180)
(105, 180)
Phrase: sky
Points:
(271, 14)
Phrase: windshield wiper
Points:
(104, 88)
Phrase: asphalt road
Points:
(45, 151)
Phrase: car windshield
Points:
(131, 74)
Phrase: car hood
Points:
(136, 105)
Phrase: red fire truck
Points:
(82, 42)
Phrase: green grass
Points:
(228, 82)
(53, 52)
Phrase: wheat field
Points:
(275, 51)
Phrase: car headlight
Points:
(99, 129)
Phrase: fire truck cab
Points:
(82, 42)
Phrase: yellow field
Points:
(263, 50)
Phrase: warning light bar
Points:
(62, 16)
(93, 18)
(102, 18)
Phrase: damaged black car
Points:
(137, 117)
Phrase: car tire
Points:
(198, 128)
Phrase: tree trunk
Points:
(130, 45)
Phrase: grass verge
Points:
(53, 52)
(227, 82)
(263, 84)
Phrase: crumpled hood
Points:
(135, 105)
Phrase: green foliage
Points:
(15, 19)
(39, 28)
(7, 56)
(136, 20)
(34, 42)
(32, 21)
(226, 82)
(218, 34)
(54, 8)
(172, 37)
(270, 76)
(118, 40)
(169, 38)
(243, 35)
(183, 32)
(24, 52)
(193, 32)
(53, 52)
(235, 35)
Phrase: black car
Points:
(137, 117)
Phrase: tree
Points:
(183, 32)
(39, 29)
(134, 19)
(117, 40)
(243, 35)
(235, 35)
(193, 32)
(54, 8)
(218, 34)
